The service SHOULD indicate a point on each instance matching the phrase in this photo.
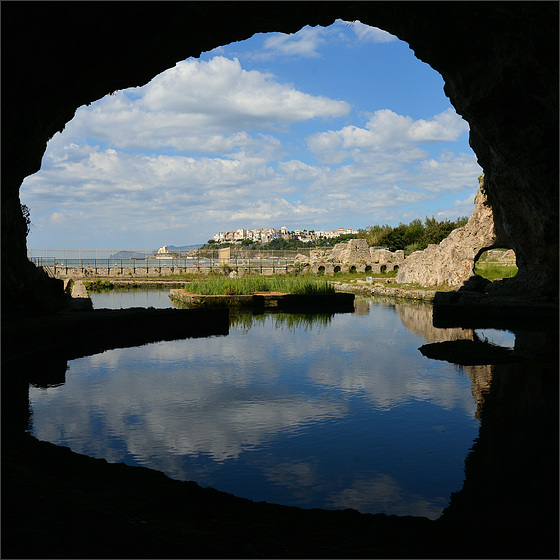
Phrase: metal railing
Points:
(200, 261)
(151, 254)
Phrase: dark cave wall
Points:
(499, 61)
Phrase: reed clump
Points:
(247, 285)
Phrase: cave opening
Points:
(528, 70)
(145, 164)
(489, 80)
(496, 263)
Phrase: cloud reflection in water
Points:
(346, 413)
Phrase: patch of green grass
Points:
(97, 285)
(247, 285)
(494, 271)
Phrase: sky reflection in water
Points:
(340, 412)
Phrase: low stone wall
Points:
(323, 267)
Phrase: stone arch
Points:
(368, 268)
(321, 270)
(495, 257)
(383, 268)
(352, 269)
(486, 81)
(336, 269)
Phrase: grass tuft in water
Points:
(305, 285)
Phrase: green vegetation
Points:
(494, 265)
(27, 217)
(414, 236)
(97, 285)
(494, 271)
(247, 285)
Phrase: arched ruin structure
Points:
(499, 61)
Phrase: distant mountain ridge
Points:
(174, 249)
(142, 254)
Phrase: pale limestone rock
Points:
(384, 256)
(451, 262)
(354, 251)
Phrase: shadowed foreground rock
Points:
(58, 504)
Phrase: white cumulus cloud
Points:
(212, 145)
(304, 43)
(386, 131)
(206, 107)
(371, 34)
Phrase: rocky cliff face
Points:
(499, 62)
(451, 263)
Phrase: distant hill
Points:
(183, 249)
(130, 255)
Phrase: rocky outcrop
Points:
(451, 263)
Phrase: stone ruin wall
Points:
(354, 255)
(449, 263)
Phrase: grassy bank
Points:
(494, 271)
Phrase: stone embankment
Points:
(373, 288)
(269, 301)
(163, 273)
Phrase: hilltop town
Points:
(266, 235)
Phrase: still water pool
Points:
(338, 411)
(124, 299)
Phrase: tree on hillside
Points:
(413, 232)
(373, 234)
(395, 239)
(415, 236)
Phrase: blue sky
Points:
(327, 127)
